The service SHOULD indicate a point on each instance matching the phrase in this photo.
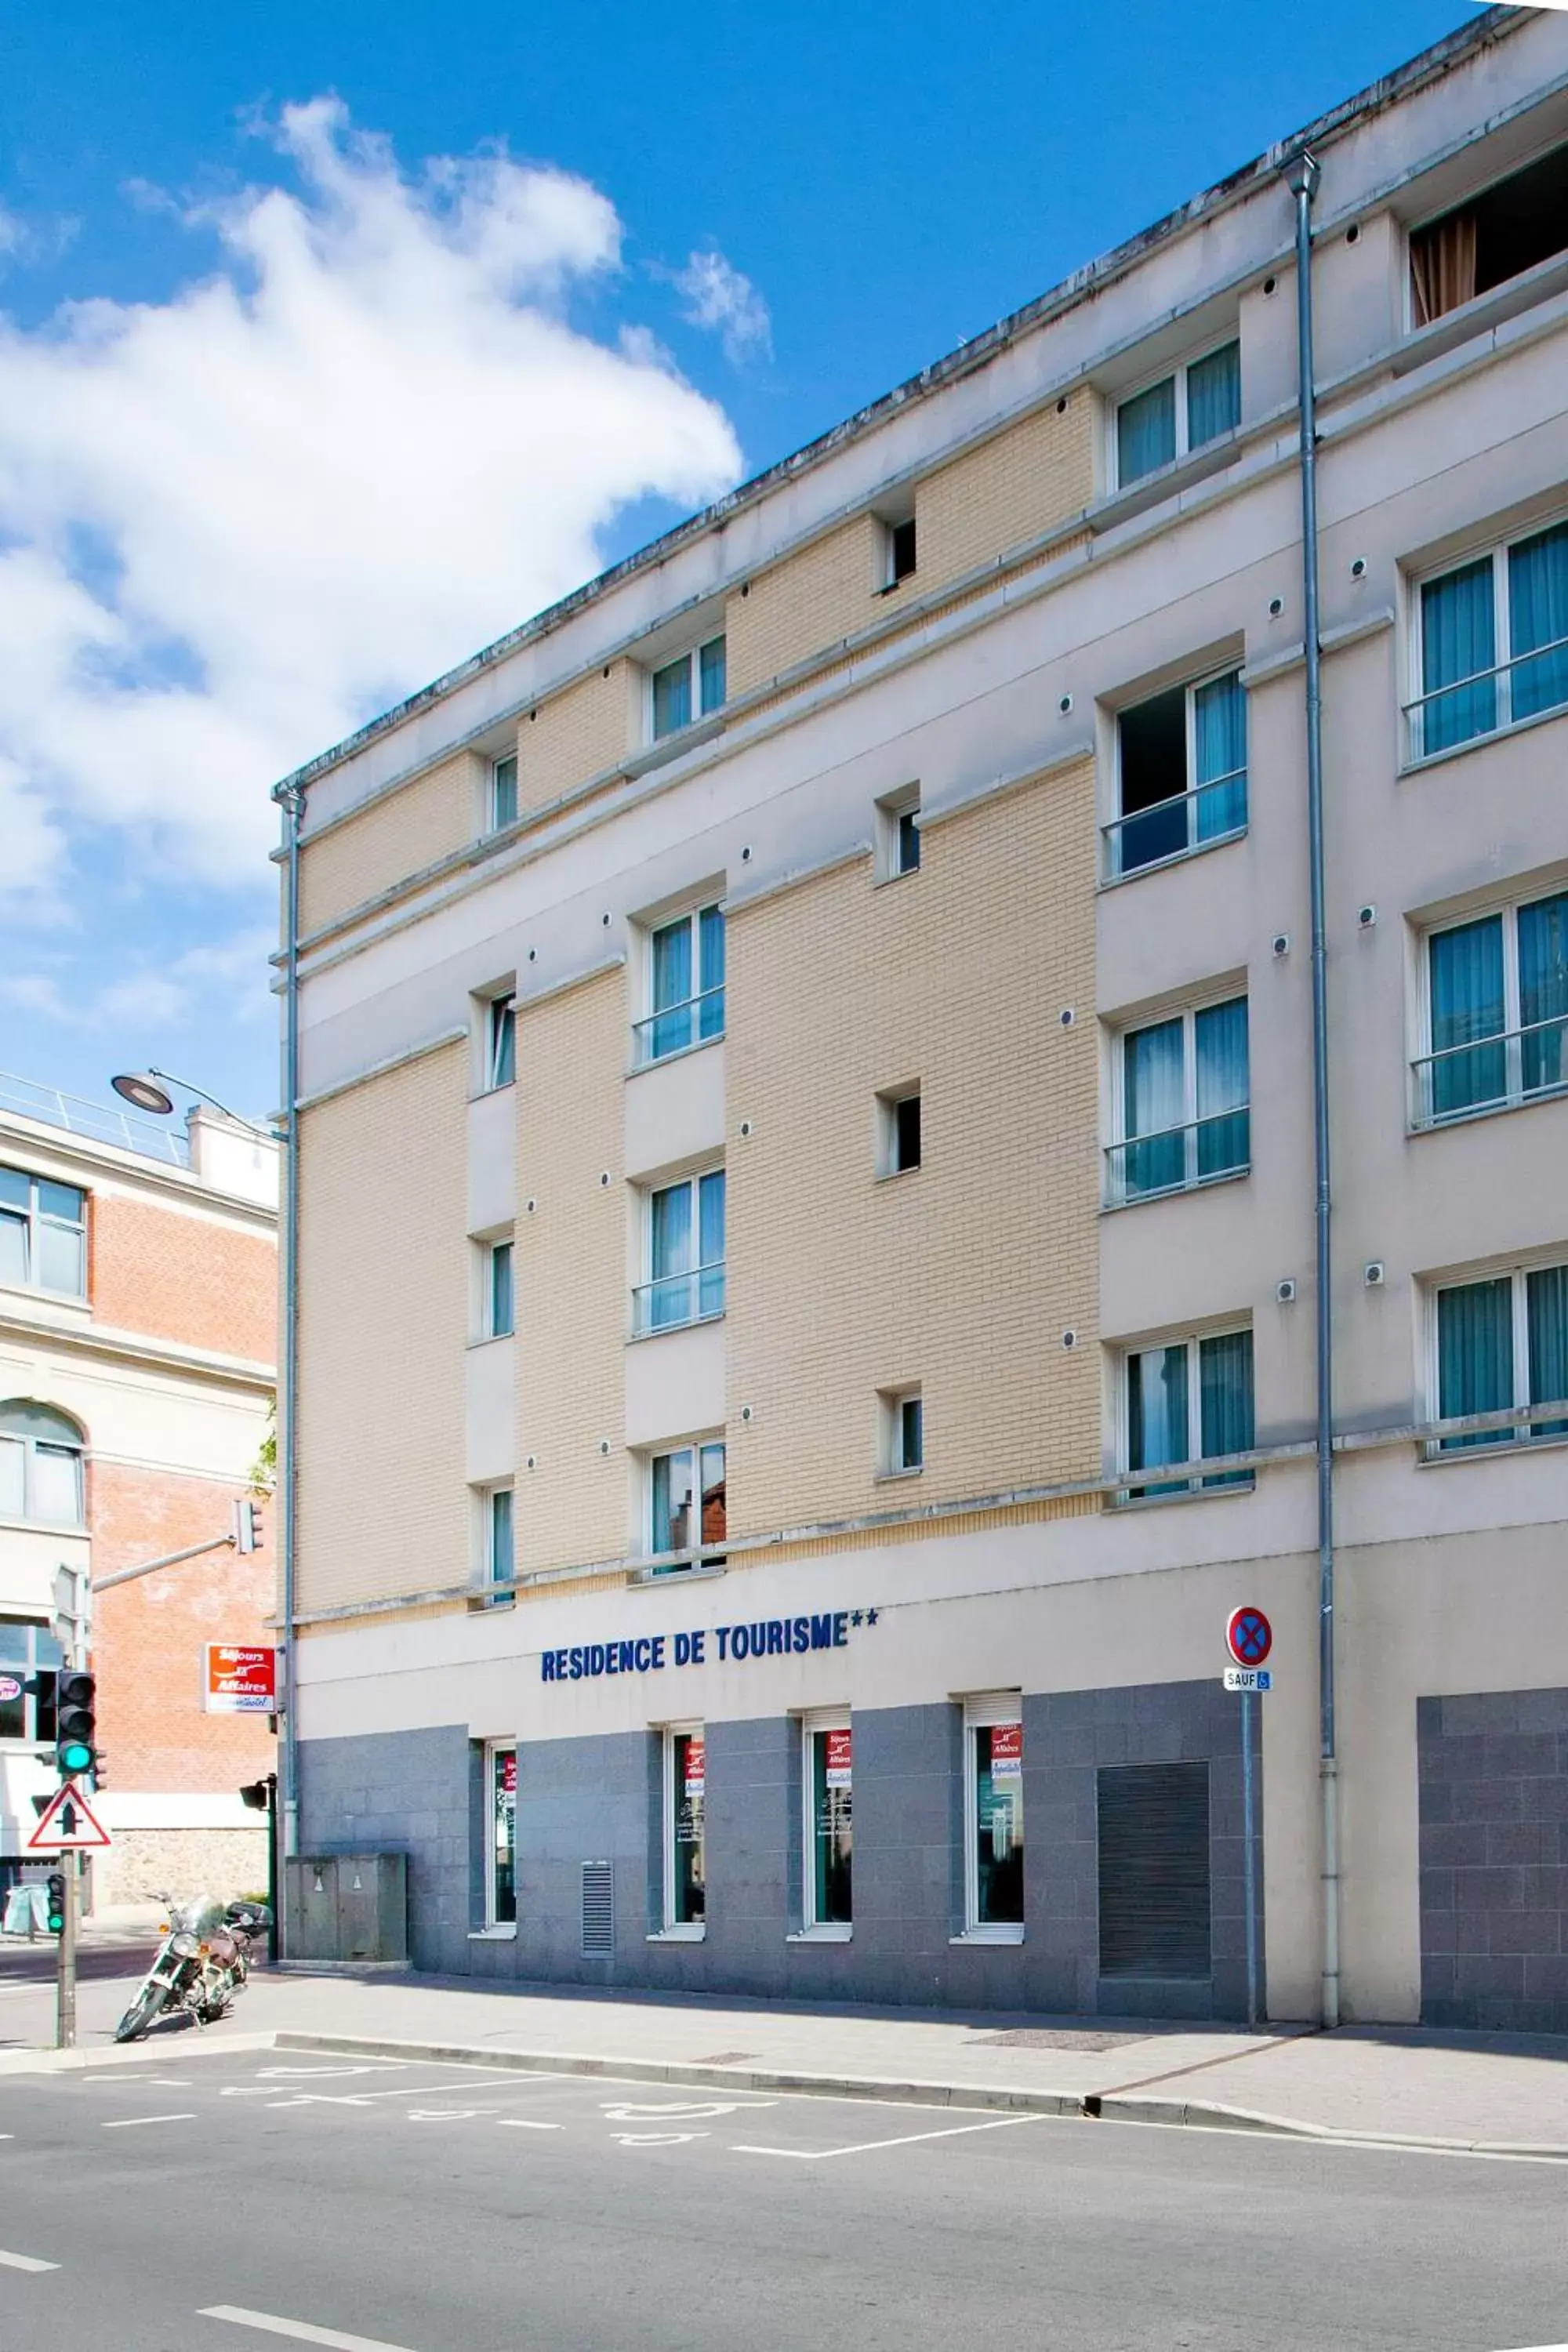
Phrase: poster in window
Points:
(1007, 1751)
(696, 1766)
(837, 1759)
(509, 1772)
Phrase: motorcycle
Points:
(201, 1966)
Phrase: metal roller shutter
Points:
(598, 1911)
(1155, 1870)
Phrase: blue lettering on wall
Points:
(767, 1637)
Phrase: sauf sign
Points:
(650, 1653)
(240, 1681)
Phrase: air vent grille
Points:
(598, 1911)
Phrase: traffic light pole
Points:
(65, 1970)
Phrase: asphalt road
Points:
(261, 2198)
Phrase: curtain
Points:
(1466, 967)
(711, 664)
(1153, 1158)
(672, 697)
(1146, 431)
(1213, 395)
(501, 1536)
(669, 1294)
(1219, 1045)
(1219, 731)
(1546, 1316)
(1475, 1355)
(1224, 1401)
(711, 1243)
(711, 959)
(671, 1026)
(1443, 266)
(1543, 992)
(1157, 1412)
(1538, 615)
(1458, 641)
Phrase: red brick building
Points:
(138, 1316)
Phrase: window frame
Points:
(1112, 832)
(491, 1327)
(898, 819)
(497, 787)
(494, 1751)
(1508, 1039)
(1470, 203)
(814, 1724)
(890, 1101)
(28, 1442)
(1495, 551)
(642, 1327)
(892, 1403)
(38, 1706)
(644, 1055)
(893, 528)
(1148, 1486)
(499, 1040)
(1115, 1195)
(35, 1218)
(489, 1494)
(1176, 375)
(690, 1558)
(688, 1931)
(690, 655)
(982, 1712)
(1522, 1437)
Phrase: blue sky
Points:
(294, 414)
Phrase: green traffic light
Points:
(75, 1755)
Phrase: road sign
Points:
(10, 1688)
(67, 1825)
(1248, 1636)
(240, 1681)
(1249, 1678)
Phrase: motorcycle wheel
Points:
(139, 2017)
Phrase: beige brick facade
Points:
(578, 734)
(961, 1276)
(399, 836)
(1020, 483)
(806, 603)
(383, 1286)
(573, 1307)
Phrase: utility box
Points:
(347, 1906)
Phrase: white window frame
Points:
(1178, 373)
(888, 1102)
(1495, 551)
(33, 1217)
(891, 1447)
(709, 901)
(679, 1931)
(813, 1722)
(982, 1712)
(486, 1595)
(1156, 1474)
(1514, 1097)
(693, 656)
(38, 1637)
(1187, 1015)
(493, 1750)
(1119, 819)
(489, 1326)
(646, 1193)
(28, 1444)
(1516, 1273)
(494, 820)
(891, 525)
(693, 1556)
(891, 812)
(498, 1009)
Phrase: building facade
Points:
(138, 1307)
(807, 1173)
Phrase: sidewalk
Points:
(1494, 2092)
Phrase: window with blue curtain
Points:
(1543, 993)
(1157, 1415)
(1204, 1385)
(1475, 1356)
(711, 665)
(502, 1556)
(686, 1251)
(1468, 1017)
(1222, 1088)
(1546, 1323)
(711, 1242)
(1225, 1395)
(503, 792)
(1146, 431)
(1458, 642)
(672, 697)
(710, 967)
(1219, 742)
(1185, 1090)
(1538, 618)
(1153, 1083)
(1213, 395)
(672, 988)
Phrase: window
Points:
(1502, 1343)
(686, 1491)
(1506, 230)
(685, 1255)
(1182, 1091)
(827, 1751)
(40, 1466)
(902, 552)
(1181, 773)
(689, 687)
(500, 1042)
(686, 973)
(1496, 1012)
(503, 792)
(43, 1234)
(899, 1131)
(500, 1306)
(28, 1651)
(993, 1818)
(1492, 648)
(685, 1792)
(499, 1553)
(1181, 412)
(1185, 1388)
(500, 1844)
(903, 1432)
(898, 835)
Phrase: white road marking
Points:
(129, 2123)
(315, 2073)
(866, 2147)
(688, 2110)
(522, 2123)
(299, 2329)
(654, 2139)
(363, 2098)
(130, 2082)
(26, 2261)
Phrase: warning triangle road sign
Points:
(67, 1825)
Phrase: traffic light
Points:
(248, 1529)
(256, 1794)
(76, 1704)
(55, 1900)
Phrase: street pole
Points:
(272, 1869)
(1249, 1858)
(65, 1971)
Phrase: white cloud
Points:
(235, 524)
(150, 995)
(722, 301)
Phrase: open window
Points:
(1509, 228)
(1181, 774)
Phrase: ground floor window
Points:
(685, 1792)
(500, 1868)
(827, 1810)
(993, 1816)
(30, 1657)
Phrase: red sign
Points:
(696, 1766)
(67, 1825)
(509, 1772)
(1006, 1751)
(240, 1681)
(1248, 1636)
(837, 1757)
(9, 1687)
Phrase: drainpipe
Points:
(288, 1354)
(1301, 177)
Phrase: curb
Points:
(1097, 2107)
(126, 2054)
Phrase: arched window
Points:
(40, 1466)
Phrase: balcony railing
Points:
(1487, 701)
(695, 1021)
(1211, 813)
(98, 1122)
(1179, 1159)
(677, 1299)
(1513, 1066)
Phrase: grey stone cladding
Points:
(1493, 1771)
(599, 1799)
